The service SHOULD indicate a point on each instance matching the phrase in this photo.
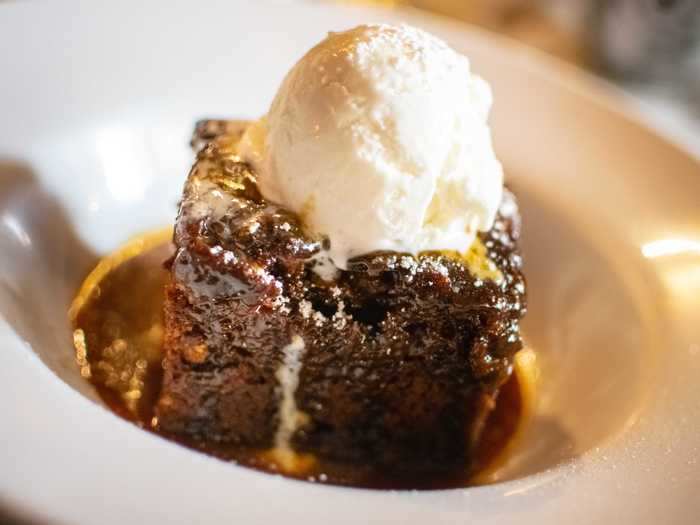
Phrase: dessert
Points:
(389, 357)
(345, 290)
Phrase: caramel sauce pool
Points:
(118, 337)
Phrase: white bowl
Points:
(97, 103)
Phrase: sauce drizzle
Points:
(118, 323)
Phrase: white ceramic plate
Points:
(96, 104)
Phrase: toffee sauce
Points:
(120, 330)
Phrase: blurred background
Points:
(649, 48)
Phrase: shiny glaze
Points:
(126, 307)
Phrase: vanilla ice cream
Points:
(378, 138)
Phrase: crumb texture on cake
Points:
(398, 359)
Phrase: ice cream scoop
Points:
(378, 138)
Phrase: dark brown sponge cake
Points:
(395, 362)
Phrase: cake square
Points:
(395, 362)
